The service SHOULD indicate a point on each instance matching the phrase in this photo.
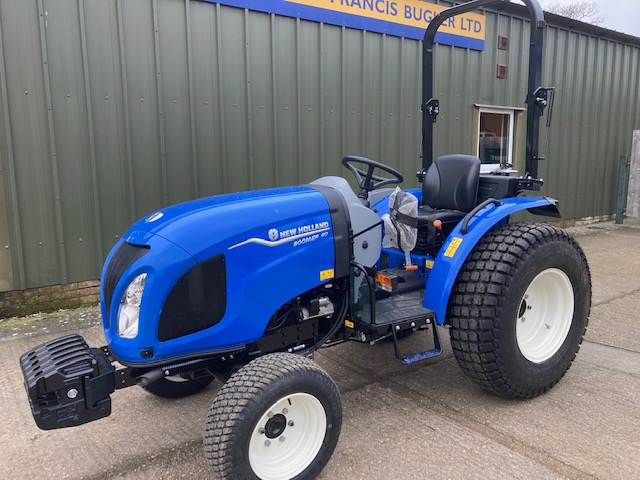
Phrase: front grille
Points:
(197, 301)
(121, 260)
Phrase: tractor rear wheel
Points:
(278, 417)
(177, 386)
(519, 309)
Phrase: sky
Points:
(622, 15)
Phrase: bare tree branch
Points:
(582, 11)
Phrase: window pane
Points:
(494, 137)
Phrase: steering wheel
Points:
(367, 181)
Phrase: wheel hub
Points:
(523, 308)
(275, 426)
(304, 418)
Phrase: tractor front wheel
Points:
(278, 417)
(519, 309)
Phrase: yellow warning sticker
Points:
(327, 274)
(453, 247)
(349, 324)
(428, 263)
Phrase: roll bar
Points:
(536, 99)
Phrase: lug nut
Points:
(261, 431)
(267, 443)
(281, 439)
(270, 414)
(290, 423)
(285, 411)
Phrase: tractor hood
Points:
(206, 226)
(202, 261)
(209, 265)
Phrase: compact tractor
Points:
(243, 287)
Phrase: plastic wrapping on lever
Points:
(401, 223)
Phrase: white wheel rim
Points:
(290, 451)
(545, 315)
(176, 379)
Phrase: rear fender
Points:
(457, 247)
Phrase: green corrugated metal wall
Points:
(112, 109)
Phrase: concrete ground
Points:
(423, 421)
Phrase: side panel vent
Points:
(198, 300)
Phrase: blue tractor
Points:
(244, 287)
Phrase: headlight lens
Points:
(129, 312)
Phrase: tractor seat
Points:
(449, 192)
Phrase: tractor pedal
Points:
(414, 357)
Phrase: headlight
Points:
(129, 311)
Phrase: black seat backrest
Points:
(451, 183)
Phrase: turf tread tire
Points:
(481, 315)
(251, 389)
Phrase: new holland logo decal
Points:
(298, 235)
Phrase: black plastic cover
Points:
(67, 382)
(430, 239)
(497, 186)
(341, 226)
(197, 301)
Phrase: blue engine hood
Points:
(266, 237)
(225, 220)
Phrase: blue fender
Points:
(458, 246)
